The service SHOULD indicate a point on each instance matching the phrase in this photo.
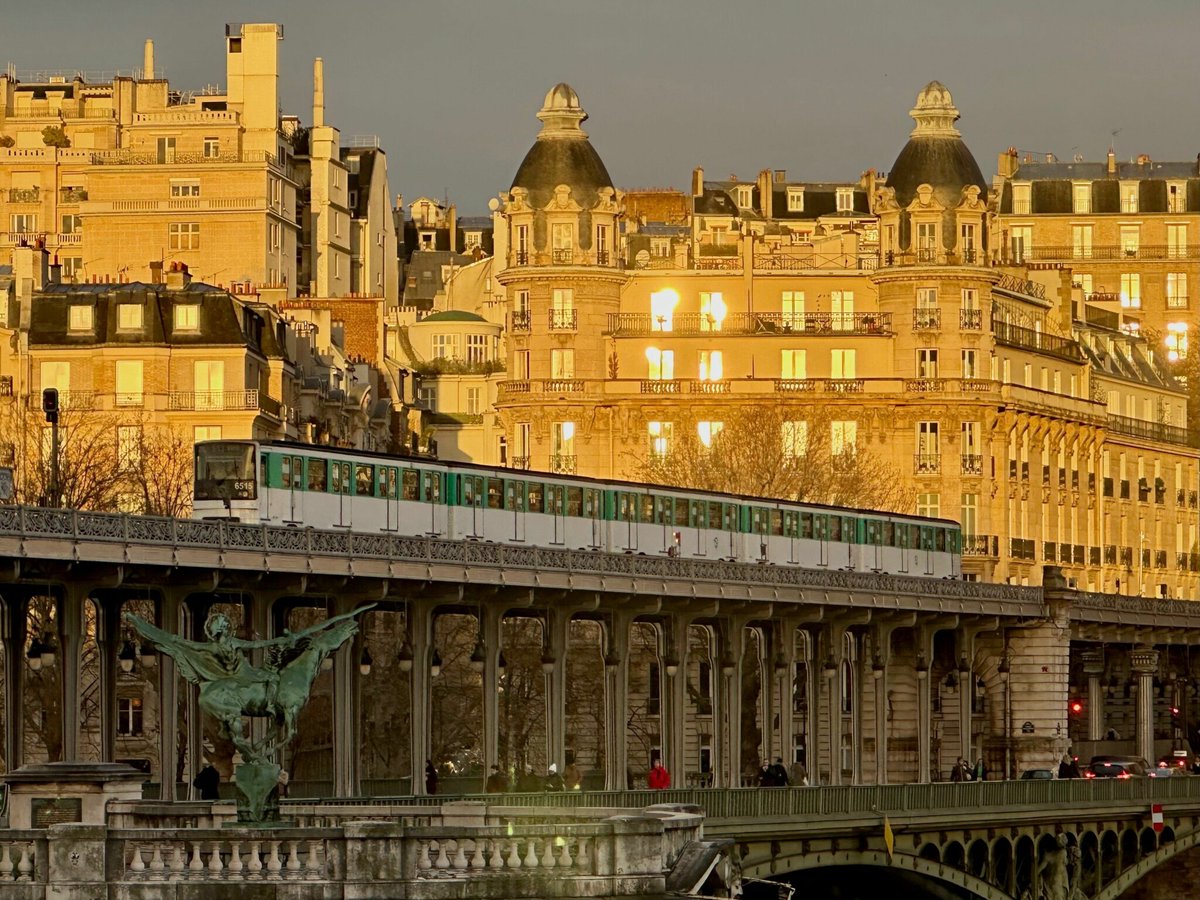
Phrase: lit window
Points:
(795, 199)
(660, 437)
(1081, 194)
(445, 346)
(563, 439)
(129, 316)
(1131, 290)
(842, 308)
(1177, 341)
(1131, 239)
(845, 199)
(662, 309)
(661, 364)
(206, 433)
(1129, 196)
(793, 364)
(1081, 241)
(562, 363)
(183, 236)
(708, 431)
(1177, 241)
(1177, 290)
(712, 311)
(79, 318)
(842, 364)
(792, 304)
(711, 367)
(473, 401)
(1020, 199)
(187, 317)
(843, 438)
(129, 382)
(794, 435)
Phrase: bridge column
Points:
(490, 630)
(420, 629)
(831, 669)
(195, 613)
(1144, 661)
(554, 665)
(728, 714)
(1093, 667)
(675, 697)
(346, 687)
(168, 618)
(14, 633)
(812, 705)
(616, 703)
(924, 706)
(784, 670)
(70, 637)
(108, 636)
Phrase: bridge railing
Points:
(847, 801)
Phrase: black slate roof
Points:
(574, 163)
(943, 162)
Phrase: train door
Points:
(927, 545)
(698, 519)
(431, 494)
(593, 504)
(821, 533)
(493, 509)
(758, 527)
(556, 507)
(627, 512)
(389, 494)
(514, 502)
(291, 474)
(791, 530)
(905, 535)
(729, 522)
(339, 477)
(472, 496)
(874, 540)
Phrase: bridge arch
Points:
(977, 858)
(779, 868)
(1002, 864)
(1147, 864)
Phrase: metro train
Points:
(304, 485)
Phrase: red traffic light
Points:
(1174, 712)
(1076, 707)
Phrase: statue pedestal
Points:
(46, 794)
(256, 781)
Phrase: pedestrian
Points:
(960, 772)
(282, 783)
(798, 776)
(529, 783)
(208, 782)
(431, 777)
(572, 777)
(658, 778)
(779, 775)
(497, 782)
(554, 781)
(765, 776)
(980, 770)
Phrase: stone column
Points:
(346, 688)
(554, 651)
(675, 699)
(785, 672)
(879, 675)
(833, 696)
(70, 636)
(812, 706)
(924, 707)
(168, 618)
(490, 629)
(1093, 667)
(730, 711)
(108, 639)
(14, 634)
(616, 703)
(420, 629)
(1144, 661)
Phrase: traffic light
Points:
(1075, 707)
(50, 404)
(1175, 714)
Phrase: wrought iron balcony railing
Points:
(564, 319)
(927, 463)
(927, 318)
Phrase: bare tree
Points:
(774, 452)
(159, 472)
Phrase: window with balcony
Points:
(1177, 240)
(1129, 196)
(183, 236)
(970, 364)
(1176, 291)
(712, 310)
(80, 317)
(841, 305)
(969, 446)
(602, 248)
(1131, 290)
(562, 242)
(1131, 240)
(794, 435)
(795, 199)
(660, 434)
(1020, 199)
(23, 223)
(1021, 239)
(185, 188)
(522, 245)
(928, 448)
(793, 364)
(56, 375)
(1081, 197)
(165, 149)
(129, 382)
(927, 242)
(562, 309)
(1082, 281)
(707, 432)
(208, 383)
(1177, 341)
(562, 363)
(842, 364)
(1176, 196)
(212, 147)
(1081, 241)
(711, 366)
(660, 363)
(792, 306)
(662, 309)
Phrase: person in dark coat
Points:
(779, 775)
(497, 782)
(431, 777)
(554, 781)
(208, 782)
(529, 783)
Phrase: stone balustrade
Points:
(18, 860)
(219, 856)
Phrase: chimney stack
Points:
(318, 92)
(1006, 164)
(697, 182)
(156, 271)
(178, 277)
(1112, 161)
(55, 271)
(148, 62)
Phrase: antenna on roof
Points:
(1113, 139)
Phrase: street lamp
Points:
(548, 662)
(34, 654)
(478, 656)
(364, 661)
(404, 658)
(670, 665)
(435, 664)
(47, 652)
(146, 653)
(829, 668)
(126, 657)
(922, 668)
(877, 668)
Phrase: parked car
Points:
(1037, 775)
(1117, 767)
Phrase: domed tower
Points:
(556, 257)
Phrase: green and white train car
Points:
(305, 485)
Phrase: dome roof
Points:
(935, 153)
(562, 154)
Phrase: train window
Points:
(729, 517)
(821, 527)
(574, 501)
(468, 492)
(806, 525)
(391, 486)
(647, 514)
(364, 480)
(777, 521)
(663, 506)
(888, 534)
(262, 470)
(714, 515)
(758, 519)
(696, 512)
(626, 507)
(537, 498)
(431, 484)
(939, 538)
(681, 512)
(850, 530)
(495, 493)
(835, 528)
(408, 484)
(872, 531)
(514, 495)
(914, 536)
(318, 475)
(591, 503)
(285, 471)
(555, 493)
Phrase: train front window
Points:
(225, 471)
(318, 475)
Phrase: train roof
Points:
(500, 471)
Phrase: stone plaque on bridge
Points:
(47, 811)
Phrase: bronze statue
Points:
(232, 687)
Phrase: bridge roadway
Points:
(997, 840)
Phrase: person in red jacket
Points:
(658, 778)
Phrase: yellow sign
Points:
(889, 839)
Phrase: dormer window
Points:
(795, 199)
(79, 317)
(129, 317)
(187, 317)
(745, 197)
(1129, 196)
(1020, 199)
(1081, 197)
(845, 199)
